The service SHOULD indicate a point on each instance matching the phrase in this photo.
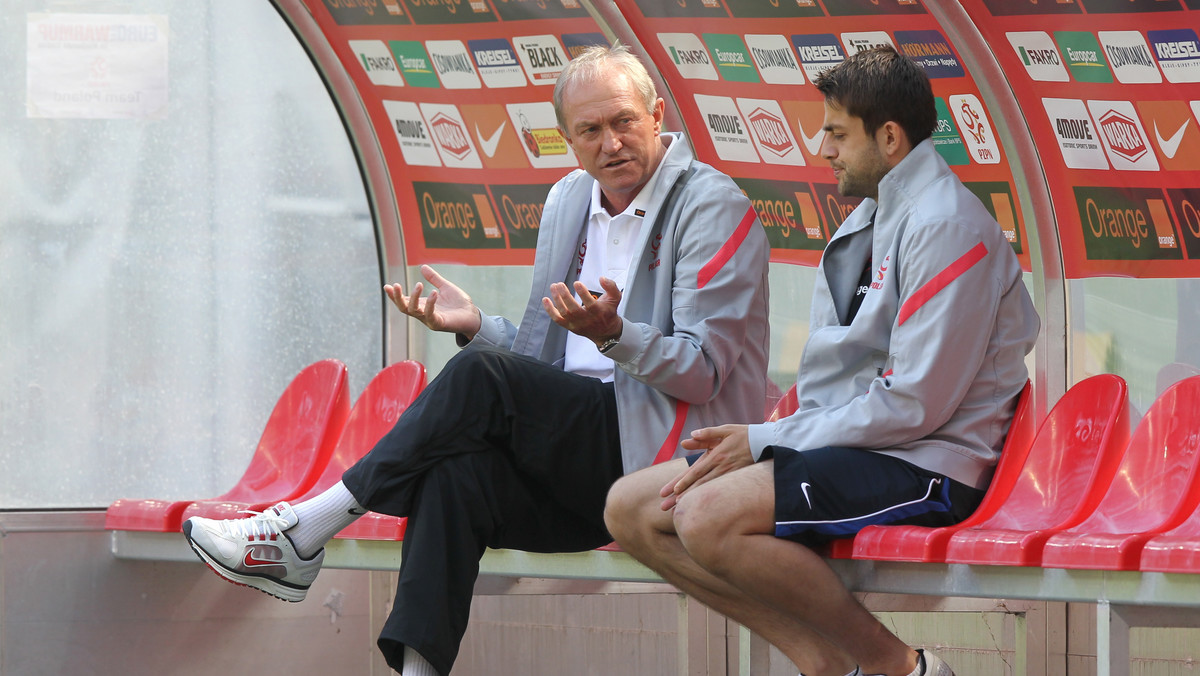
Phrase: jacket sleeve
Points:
(719, 291)
(950, 287)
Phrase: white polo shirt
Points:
(608, 252)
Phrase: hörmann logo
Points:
(931, 51)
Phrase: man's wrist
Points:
(608, 343)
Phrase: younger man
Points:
(919, 329)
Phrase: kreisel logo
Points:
(494, 136)
(1129, 56)
(376, 60)
(541, 56)
(1084, 56)
(541, 140)
(414, 63)
(416, 141)
(453, 64)
(931, 51)
(1038, 54)
(945, 136)
(1123, 137)
(1078, 139)
(1174, 132)
(689, 55)
(497, 63)
(728, 131)
(771, 133)
(1178, 53)
(818, 53)
(860, 41)
(729, 53)
(775, 59)
(975, 127)
(450, 136)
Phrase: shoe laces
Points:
(263, 525)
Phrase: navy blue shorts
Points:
(830, 493)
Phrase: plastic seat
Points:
(1176, 550)
(923, 543)
(786, 405)
(378, 408)
(1069, 469)
(1154, 489)
(295, 446)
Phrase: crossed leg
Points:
(718, 546)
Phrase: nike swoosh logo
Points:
(804, 486)
(489, 144)
(1171, 146)
(811, 143)
(251, 560)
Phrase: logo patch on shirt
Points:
(881, 273)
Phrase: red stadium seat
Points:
(1153, 491)
(786, 405)
(295, 446)
(377, 408)
(375, 413)
(1177, 550)
(921, 543)
(1068, 471)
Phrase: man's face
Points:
(613, 135)
(856, 158)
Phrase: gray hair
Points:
(592, 64)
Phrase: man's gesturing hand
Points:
(726, 448)
(447, 308)
(594, 318)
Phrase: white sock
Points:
(320, 518)
(415, 665)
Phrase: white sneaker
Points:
(932, 665)
(256, 552)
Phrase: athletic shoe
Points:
(932, 665)
(256, 552)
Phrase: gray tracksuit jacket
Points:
(930, 368)
(694, 348)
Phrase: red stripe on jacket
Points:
(727, 250)
(672, 442)
(941, 280)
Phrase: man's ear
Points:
(893, 141)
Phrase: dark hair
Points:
(881, 85)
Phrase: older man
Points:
(647, 319)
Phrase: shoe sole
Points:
(265, 585)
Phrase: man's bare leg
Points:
(718, 545)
